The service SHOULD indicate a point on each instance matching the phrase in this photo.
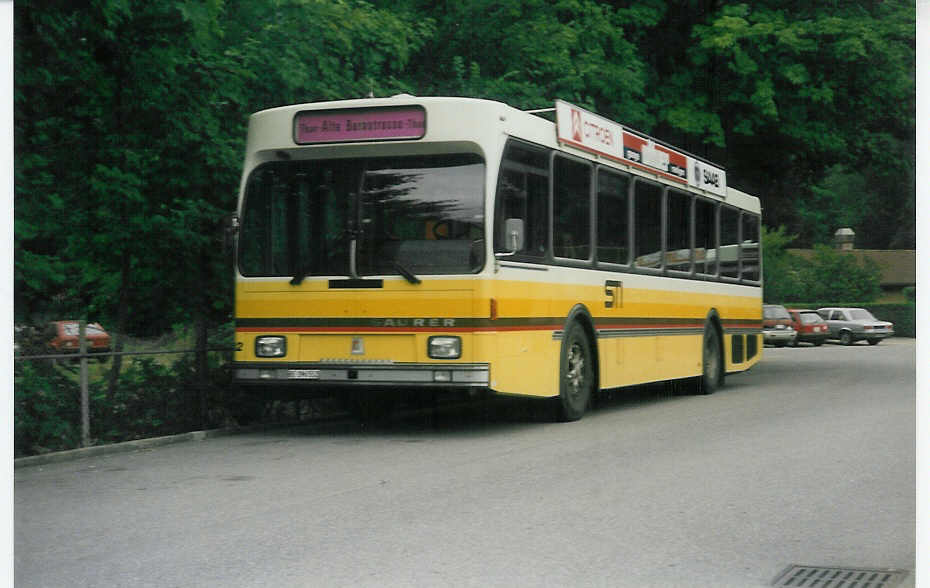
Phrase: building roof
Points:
(898, 266)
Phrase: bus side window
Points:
(749, 249)
(523, 193)
(678, 231)
(729, 242)
(613, 217)
(571, 234)
(267, 226)
(647, 225)
(705, 237)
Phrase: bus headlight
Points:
(270, 346)
(444, 347)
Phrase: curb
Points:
(140, 444)
(124, 447)
(152, 442)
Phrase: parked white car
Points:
(849, 325)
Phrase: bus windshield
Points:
(400, 215)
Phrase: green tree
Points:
(130, 122)
(828, 275)
(791, 89)
(837, 276)
(130, 119)
(841, 199)
(529, 53)
(781, 279)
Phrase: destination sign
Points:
(359, 124)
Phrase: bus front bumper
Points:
(359, 374)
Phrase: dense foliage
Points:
(828, 274)
(130, 116)
(155, 396)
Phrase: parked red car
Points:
(63, 337)
(809, 325)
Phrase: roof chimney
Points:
(844, 239)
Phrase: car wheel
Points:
(576, 375)
(818, 343)
(846, 338)
(874, 341)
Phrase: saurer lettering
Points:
(416, 322)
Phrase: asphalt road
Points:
(807, 459)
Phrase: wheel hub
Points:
(575, 373)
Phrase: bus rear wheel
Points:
(576, 375)
(711, 377)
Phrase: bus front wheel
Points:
(576, 374)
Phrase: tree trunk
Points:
(122, 316)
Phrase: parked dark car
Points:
(63, 337)
(810, 326)
(776, 325)
(849, 325)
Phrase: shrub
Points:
(143, 404)
(904, 317)
(835, 275)
(152, 398)
(780, 281)
(828, 275)
(46, 410)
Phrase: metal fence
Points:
(83, 355)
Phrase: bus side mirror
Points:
(230, 231)
(513, 236)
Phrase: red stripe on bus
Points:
(465, 329)
(366, 328)
(625, 161)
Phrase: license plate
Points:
(303, 374)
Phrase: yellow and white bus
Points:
(390, 244)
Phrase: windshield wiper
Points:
(299, 276)
(408, 275)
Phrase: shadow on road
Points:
(492, 413)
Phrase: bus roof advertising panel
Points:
(359, 124)
(585, 130)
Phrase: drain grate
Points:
(822, 577)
